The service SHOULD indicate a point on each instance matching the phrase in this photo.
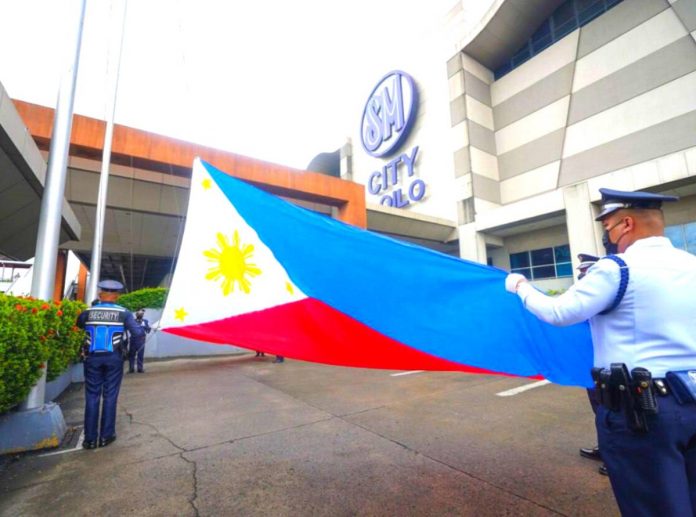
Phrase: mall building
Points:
(543, 103)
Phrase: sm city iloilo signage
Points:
(387, 120)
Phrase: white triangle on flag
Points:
(223, 268)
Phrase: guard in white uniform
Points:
(641, 305)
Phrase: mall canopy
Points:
(22, 177)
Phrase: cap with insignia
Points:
(110, 286)
(613, 200)
(586, 261)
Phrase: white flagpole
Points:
(114, 71)
(44, 269)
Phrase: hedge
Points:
(31, 333)
(150, 297)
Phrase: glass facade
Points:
(569, 16)
(683, 236)
(543, 263)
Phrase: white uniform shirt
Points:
(654, 326)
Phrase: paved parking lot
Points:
(243, 436)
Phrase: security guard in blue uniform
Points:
(103, 352)
(586, 262)
(136, 345)
(640, 301)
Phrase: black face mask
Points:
(611, 248)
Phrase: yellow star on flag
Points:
(180, 314)
(289, 288)
(207, 183)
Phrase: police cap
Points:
(110, 286)
(613, 200)
(586, 261)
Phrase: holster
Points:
(683, 385)
(617, 390)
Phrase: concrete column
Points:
(346, 162)
(584, 234)
(472, 245)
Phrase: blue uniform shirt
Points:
(654, 326)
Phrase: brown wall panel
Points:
(88, 135)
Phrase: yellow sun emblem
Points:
(231, 263)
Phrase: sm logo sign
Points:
(389, 114)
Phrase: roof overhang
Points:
(405, 223)
(505, 28)
(22, 178)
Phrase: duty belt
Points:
(633, 393)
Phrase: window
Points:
(7, 274)
(543, 263)
(683, 236)
(542, 38)
(567, 17)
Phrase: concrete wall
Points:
(612, 104)
(434, 161)
(161, 344)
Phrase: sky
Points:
(276, 80)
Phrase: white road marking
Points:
(406, 373)
(77, 447)
(520, 389)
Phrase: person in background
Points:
(586, 262)
(103, 351)
(279, 359)
(640, 301)
(136, 347)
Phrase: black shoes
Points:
(103, 442)
(141, 371)
(131, 370)
(591, 453)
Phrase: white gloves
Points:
(513, 281)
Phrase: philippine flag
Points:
(261, 273)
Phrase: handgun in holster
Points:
(643, 390)
(621, 381)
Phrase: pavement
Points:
(239, 435)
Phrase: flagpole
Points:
(44, 270)
(95, 265)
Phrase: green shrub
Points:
(151, 297)
(31, 333)
(64, 338)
